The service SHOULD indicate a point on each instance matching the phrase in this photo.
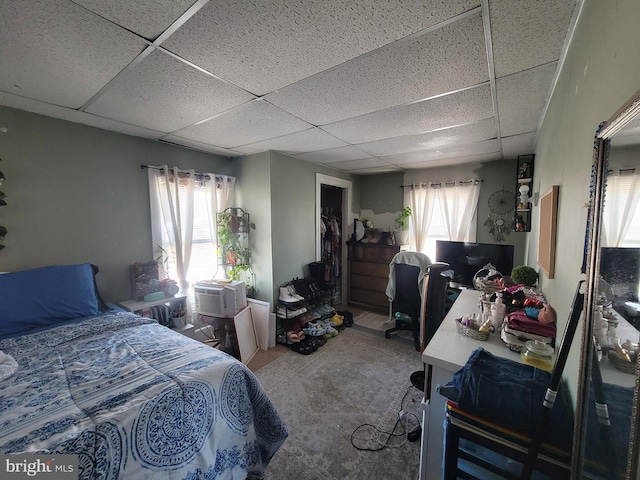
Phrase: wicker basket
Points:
(471, 332)
(622, 365)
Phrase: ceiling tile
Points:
(523, 144)
(447, 162)
(522, 97)
(527, 34)
(76, 116)
(295, 143)
(360, 164)
(478, 148)
(165, 94)
(265, 45)
(334, 155)
(482, 130)
(57, 52)
(456, 109)
(148, 18)
(249, 123)
(442, 61)
(223, 152)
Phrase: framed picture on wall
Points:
(547, 234)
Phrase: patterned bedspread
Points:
(135, 400)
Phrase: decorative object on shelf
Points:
(233, 241)
(144, 279)
(401, 232)
(500, 203)
(525, 275)
(488, 279)
(522, 217)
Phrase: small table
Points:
(150, 310)
(446, 353)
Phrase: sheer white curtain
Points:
(459, 202)
(443, 211)
(621, 205)
(422, 202)
(184, 205)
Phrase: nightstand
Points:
(162, 310)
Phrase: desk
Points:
(446, 353)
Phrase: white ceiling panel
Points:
(522, 97)
(482, 130)
(249, 123)
(519, 145)
(166, 94)
(360, 164)
(448, 59)
(527, 34)
(478, 148)
(456, 109)
(295, 143)
(445, 162)
(288, 41)
(56, 111)
(57, 52)
(334, 155)
(364, 86)
(223, 152)
(148, 18)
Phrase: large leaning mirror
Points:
(608, 394)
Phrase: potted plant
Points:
(525, 275)
(233, 239)
(402, 226)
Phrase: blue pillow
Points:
(45, 296)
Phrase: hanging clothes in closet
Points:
(331, 246)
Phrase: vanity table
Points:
(446, 353)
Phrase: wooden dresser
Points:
(369, 274)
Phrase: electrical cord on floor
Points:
(380, 438)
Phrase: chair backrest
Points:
(438, 278)
(407, 297)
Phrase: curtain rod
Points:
(203, 175)
(446, 184)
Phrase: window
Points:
(184, 205)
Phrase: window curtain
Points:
(455, 202)
(459, 201)
(422, 203)
(621, 202)
(183, 206)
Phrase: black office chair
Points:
(407, 271)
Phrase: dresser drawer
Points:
(376, 284)
(373, 253)
(371, 269)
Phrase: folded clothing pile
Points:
(520, 326)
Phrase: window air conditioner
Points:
(222, 300)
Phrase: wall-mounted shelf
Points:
(524, 186)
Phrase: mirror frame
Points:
(604, 133)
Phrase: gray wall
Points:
(77, 194)
(601, 72)
(381, 193)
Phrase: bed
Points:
(129, 397)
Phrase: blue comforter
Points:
(136, 400)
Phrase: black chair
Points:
(410, 274)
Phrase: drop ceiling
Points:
(365, 86)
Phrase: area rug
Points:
(355, 380)
(380, 323)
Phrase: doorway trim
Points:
(347, 187)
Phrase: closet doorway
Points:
(333, 210)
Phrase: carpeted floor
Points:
(356, 378)
(380, 323)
